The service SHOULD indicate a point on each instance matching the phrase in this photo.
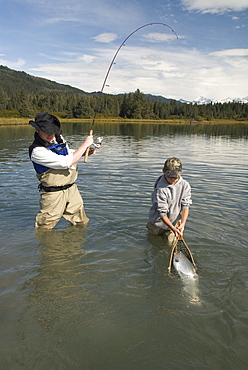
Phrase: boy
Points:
(171, 200)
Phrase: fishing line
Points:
(111, 65)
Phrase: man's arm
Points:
(48, 158)
(80, 151)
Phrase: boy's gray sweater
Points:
(168, 200)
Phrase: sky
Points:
(182, 49)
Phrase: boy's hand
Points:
(179, 229)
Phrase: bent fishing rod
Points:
(110, 67)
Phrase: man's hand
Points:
(89, 140)
(81, 150)
(91, 151)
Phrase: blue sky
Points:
(74, 41)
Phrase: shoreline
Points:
(188, 122)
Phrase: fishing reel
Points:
(98, 142)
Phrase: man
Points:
(56, 169)
(171, 200)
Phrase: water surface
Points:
(99, 297)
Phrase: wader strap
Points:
(53, 188)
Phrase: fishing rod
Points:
(110, 66)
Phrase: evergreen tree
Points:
(3, 99)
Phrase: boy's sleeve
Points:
(186, 199)
(160, 202)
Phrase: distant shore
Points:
(25, 121)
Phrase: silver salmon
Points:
(183, 265)
(188, 274)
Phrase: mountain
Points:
(240, 100)
(203, 100)
(153, 98)
(11, 80)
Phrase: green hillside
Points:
(23, 95)
(11, 80)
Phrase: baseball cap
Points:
(173, 167)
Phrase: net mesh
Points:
(181, 248)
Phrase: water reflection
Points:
(141, 130)
(136, 130)
(59, 283)
(158, 256)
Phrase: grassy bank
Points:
(24, 121)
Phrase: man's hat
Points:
(173, 167)
(46, 123)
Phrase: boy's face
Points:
(171, 180)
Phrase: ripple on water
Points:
(100, 296)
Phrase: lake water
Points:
(100, 297)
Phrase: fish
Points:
(187, 273)
(183, 265)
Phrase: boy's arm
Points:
(179, 229)
(184, 216)
(186, 202)
(167, 221)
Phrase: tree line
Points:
(136, 105)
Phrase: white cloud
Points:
(87, 58)
(60, 19)
(173, 73)
(88, 12)
(15, 65)
(231, 53)
(215, 6)
(159, 37)
(105, 37)
(68, 57)
(239, 27)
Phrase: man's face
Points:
(47, 137)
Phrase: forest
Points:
(22, 95)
